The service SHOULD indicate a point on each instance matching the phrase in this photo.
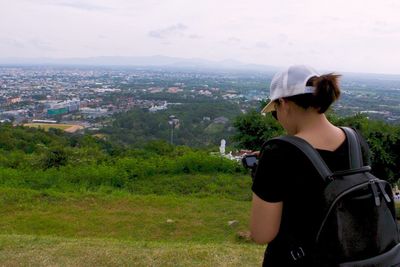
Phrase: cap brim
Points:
(268, 108)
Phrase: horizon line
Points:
(219, 64)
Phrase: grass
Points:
(22, 250)
(47, 126)
(126, 217)
(97, 229)
(45, 227)
(110, 178)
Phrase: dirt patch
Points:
(74, 128)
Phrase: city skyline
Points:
(356, 36)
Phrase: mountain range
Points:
(151, 61)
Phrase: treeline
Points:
(54, 160)
(196, 128)
(253, 129)
(34, 158)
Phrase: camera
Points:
(250, 161)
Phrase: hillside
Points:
(78, 200)
(80, 229)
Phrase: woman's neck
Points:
(319, 132)
(312, 122)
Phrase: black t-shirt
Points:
(285, 174)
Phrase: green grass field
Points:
(50, 228)
(47, 126)
(23, 250)
(76, 229)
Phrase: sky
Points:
(340, 35)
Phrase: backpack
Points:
(359, 226)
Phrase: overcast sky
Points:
(341, 35)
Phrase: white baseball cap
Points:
(290, 82)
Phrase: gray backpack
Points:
(359, 227)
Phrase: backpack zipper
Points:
(374, 188)
(384, 192)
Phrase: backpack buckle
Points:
(297, 254)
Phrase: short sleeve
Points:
(271, 174)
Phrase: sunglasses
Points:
(273, 113)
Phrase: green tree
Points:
(253, 129)
(384, 143)
(54, 157)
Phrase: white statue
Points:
(222, 147)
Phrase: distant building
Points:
(155, 108)
(232, 96)
(94, 112)
(64, 107)
(174, 90)
(221, 120)
(106, 90)
(57, 111)
(205, 92)
(15, 113)
(154, 90)
(44, 121)
(13, 100)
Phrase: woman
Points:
(285, 208)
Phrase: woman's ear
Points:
(283, 102)
(286, 107)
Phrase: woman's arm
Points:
(265, 220)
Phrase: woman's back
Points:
(285, 174)
(285, 209)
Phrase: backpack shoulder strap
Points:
(310, 152)
(355, 154)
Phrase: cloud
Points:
(28, 44)
(80, 5)
(282, 38)
(174, 30)
(195, 36)
(334, 19)
(262, 45)
(232, 41)
(12, 43)
(102, 36)
(41, 45)
(384, 27)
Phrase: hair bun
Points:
(326, 90)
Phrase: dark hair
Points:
(326, 92)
